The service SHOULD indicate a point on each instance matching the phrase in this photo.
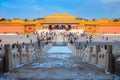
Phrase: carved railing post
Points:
(97, 51)
(110, 59)
(20, 52)
(27, 50)
(91, 50)
(7, 58)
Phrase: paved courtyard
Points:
(62, 65)
(59, 62)
(13, 38)
(23, 38)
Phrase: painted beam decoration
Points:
(29, 28)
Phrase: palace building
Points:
(60, 22)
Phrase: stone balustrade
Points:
(46, 47)
(117, 68)
(72, 47)
(1, 61)
(100, 56)
(116, 49)
(103, 56)
(11, 57)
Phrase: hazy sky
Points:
(80, 8)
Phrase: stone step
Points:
(59, 44)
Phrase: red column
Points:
(77, 27)
(70, 27)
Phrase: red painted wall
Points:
(11, 29)
(109, 29)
